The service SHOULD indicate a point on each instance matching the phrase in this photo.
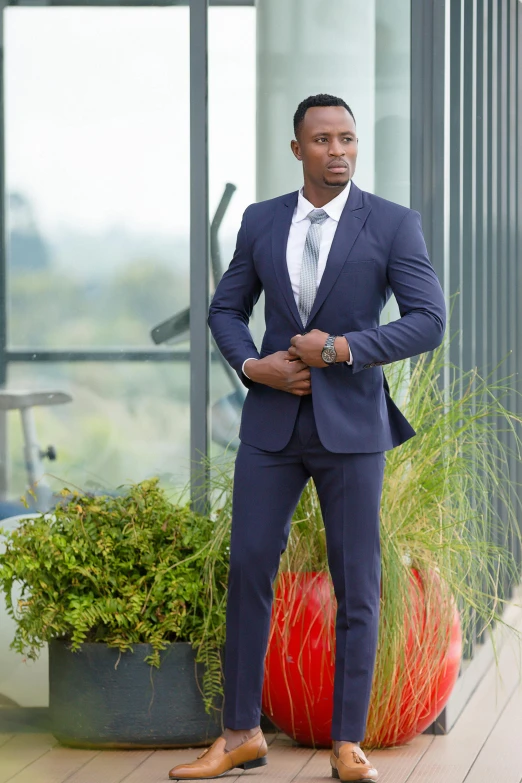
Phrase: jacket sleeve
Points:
(232, 304)
(420, 299)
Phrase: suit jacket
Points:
(378, 248)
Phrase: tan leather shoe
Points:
(352, 765)
(215, 761)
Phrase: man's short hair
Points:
(317, 100)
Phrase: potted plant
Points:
(129, 592)
(114, 574)
(442, 571)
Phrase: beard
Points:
(339, 182)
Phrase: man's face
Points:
(327, 146)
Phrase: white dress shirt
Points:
(297, 238)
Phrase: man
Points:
(327, 258)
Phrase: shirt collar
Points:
(333, 209)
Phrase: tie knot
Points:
(317, 216)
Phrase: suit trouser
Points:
(267, 488)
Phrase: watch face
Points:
(329, 355)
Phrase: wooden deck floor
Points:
(484, 746)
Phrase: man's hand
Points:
(281, 371)
(308, 347)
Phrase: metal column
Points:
(199, 252)
(4, 462)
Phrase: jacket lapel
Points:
(280, 230)
(351, 222)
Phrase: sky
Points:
(97, 115)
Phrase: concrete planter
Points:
(101, 698)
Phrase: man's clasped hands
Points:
(290, 370)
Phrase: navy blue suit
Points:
(337, 435)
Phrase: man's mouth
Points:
(337, 167)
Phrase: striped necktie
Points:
(308, 278)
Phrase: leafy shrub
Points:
(123, 570)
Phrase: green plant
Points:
(134, 568)
(448, 510)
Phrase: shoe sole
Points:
(262, 762)
(335, 774)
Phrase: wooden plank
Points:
(317, 766)
(20, 751)
(26, 748)
(5, 738)
(500, 759)
(393, 764)
(155, 769)
(157, 766)
(449, 758)
(55, 766)
(474, 670)
(110, 766)
(284, 762)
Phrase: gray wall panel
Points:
(511, 242)
(455, 180)
(481, 207)
(481, 162)
(468, 293)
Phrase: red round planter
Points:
(299, 666)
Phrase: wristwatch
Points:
(329, 354)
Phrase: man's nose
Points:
(336, 149)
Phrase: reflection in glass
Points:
(362, 56)
(97, 171)
(126, 421)
(97, 176)
(232, 107)
(98, 234)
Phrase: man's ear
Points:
(294, 145)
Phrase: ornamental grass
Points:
(450, 513)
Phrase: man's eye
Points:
(322, 138)
(348, 138)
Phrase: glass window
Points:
(262, 63)
(98, 182)
(232, 157)
(97, 165)
(97, 178)
(126, 421)
(357, 50)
